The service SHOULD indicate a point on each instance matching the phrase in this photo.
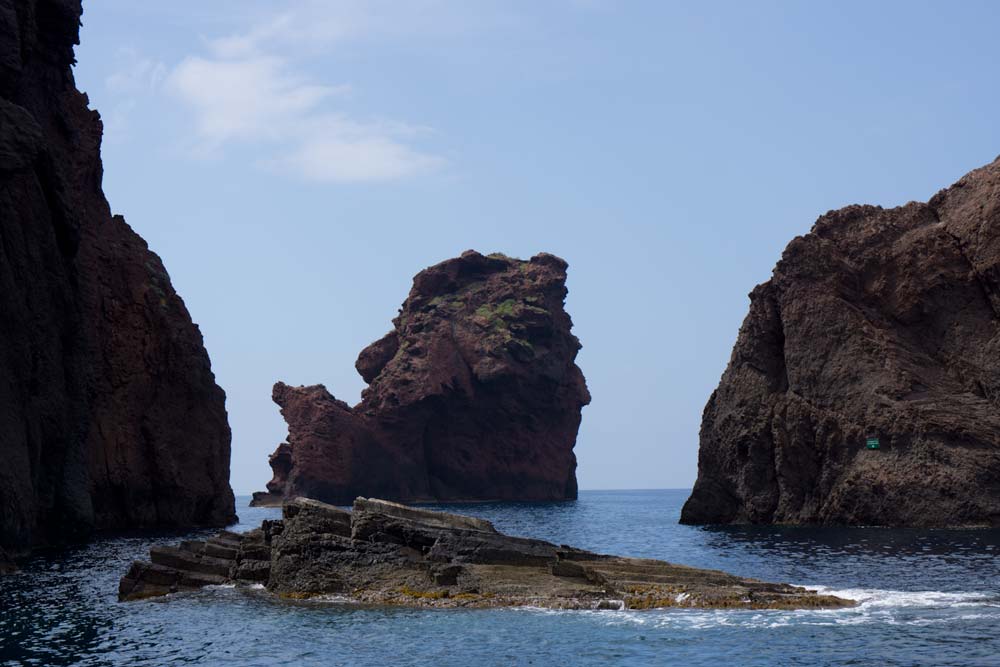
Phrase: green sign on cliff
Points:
(872, 443)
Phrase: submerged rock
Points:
(865, 383)
(110, 416)
(474, 395)
(389, 554)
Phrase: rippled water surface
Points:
(928, 597)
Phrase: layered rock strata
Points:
(474, 395)
(389, 554)
(109, 413)
(864, 386)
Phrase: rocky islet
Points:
(384, 553)
(474, 395)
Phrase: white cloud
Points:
(254, 99)
(338, 150)
(301, 29)
(250, 91)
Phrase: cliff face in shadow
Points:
(109, 412)
(878, 324)
(473, 395)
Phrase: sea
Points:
(926, 597)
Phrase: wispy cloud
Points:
(337, 149)
(303, 26)
(256, 99)
(249, 89)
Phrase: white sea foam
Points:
(914, 608)
(338, 599)
(873, 598)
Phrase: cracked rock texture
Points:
(109, 412)
(474, 395)
(384, 553)
(879, 322)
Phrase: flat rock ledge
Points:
(383, 553)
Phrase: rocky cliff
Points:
(473, 395)
(879, 325)
(109, 413)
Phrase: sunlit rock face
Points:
(473, 395)
(879, 325)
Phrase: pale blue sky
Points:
(295, 163)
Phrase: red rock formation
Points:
(109, 411)
(882, 323)
(473, 395)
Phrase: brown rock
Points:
(265, 499)
(474, 395)
(388, 554)
(880, 323)
(109, 411)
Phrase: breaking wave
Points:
(874, 606)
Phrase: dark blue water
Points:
(928, 598)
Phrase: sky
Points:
(296, 162)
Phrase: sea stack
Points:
(474, 395)
(109, 412)
(863, 388)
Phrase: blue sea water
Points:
(928, 597)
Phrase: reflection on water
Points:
(927, 597)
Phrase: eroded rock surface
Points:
(390, 554)
(110, 416)
(473, 395)
(879, 323)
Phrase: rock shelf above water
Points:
(384, 553)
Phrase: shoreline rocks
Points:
(266, 499)
(474, 395)
(864, 386)
(384, 553)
